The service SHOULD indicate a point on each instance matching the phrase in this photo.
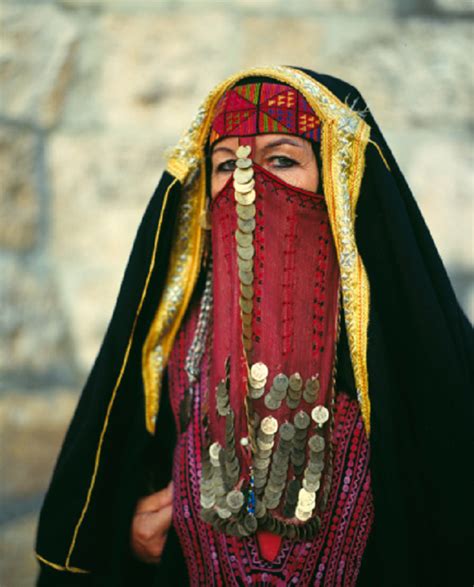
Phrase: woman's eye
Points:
(226, 166)
(281, 162)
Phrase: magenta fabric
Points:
(213, 558)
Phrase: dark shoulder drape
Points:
(420, 358)
(110, 431)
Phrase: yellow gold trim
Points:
(182, 275)
(119, 379)
(59, 567)
(344, 140)
(380, 153)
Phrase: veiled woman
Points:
(286, 346)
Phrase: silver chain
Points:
(198, 346)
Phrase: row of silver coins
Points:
(222, 399)
(244, 195)
(245, 524)
(265, 440)
(289, 388)
(278, 476)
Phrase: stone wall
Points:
(92, 92)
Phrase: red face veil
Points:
(274, 333)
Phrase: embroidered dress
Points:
(333, 557)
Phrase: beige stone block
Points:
(280, 40)
(19, 198)
(32, 428)
(32, 327)
(158, 68)
(101, 185)
(37, 57)
(412, 72)
(439, 167)
(18, 566)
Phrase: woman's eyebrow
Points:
(226, 149)
(282, 141)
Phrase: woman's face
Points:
(289, 157)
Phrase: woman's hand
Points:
(151, 523)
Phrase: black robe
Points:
(420, 364)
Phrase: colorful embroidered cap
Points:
(263, 108)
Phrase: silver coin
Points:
(246, 252)
(256, 393)
(309, 396)
(313, 468)
(293, 487)
(313, 384)
(278, 395)
(246, 212)
(243, 175)
(291, 403)
(214, 450)
(265, 445)
(243, 239)
(280, 382)
(259, 371)
(221, 388)
(264, 454)
(247, 226)
(244, 188)
(310, 486)
(260, 509)
(246, 277)
(287, 431)
(246, 291)
(316, 443)
(247, 319)
(243, 163)
(246, 305)
(302, 515)
(223, 513)
(320, 414)
(269, 425)
(264, 437)
(207, 501)
(250, 523)
(261, 463)
(223, 410)
(235, 500)
(294, 394)
(312, 477)
(256, 384)
(295, 381)
(246, 198)
(301, 420)
(243, 151)
(271, 402)
(297, 458)
(306, 497)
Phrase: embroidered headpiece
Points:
(262, 108)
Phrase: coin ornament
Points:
(259, 371)
(320, 415)
(269, 425)
(244, 196)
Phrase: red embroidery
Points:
(259, 108)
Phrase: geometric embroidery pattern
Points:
(262, 108)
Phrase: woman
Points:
(315, 250)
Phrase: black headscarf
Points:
(420, 358)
